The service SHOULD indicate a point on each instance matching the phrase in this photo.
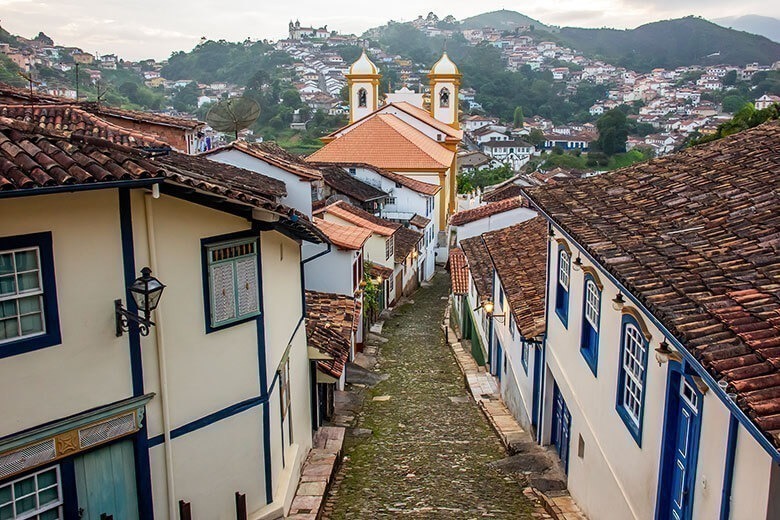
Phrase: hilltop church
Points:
(404, 134)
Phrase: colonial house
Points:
(304, 182)
(475, 160)
(575, 141)
(488, 217)
(660, 371)
(409, 202)
(407, 254)
(513, 152)
(518, 259)
(766, 101)
(379, 248)
(140, 402)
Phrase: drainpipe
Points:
(161, 362)
(728, 473)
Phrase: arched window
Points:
(562, 287)
(591, 310)
(444, 98)
(632, 375)
(362, 98)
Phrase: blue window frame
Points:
(591, 314)
(29, 316)
(562, 285)
(632, 374)
(231, 279)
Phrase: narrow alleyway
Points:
(430, 446)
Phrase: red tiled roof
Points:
(519, 255)
(273, 154)
(509, 191)
(694, 236)
(359, 217)
(406, 241)
(342, 182)
(387, 142)
(419, 221)
(486, 210)
(413, 184)
(70, 119)
(375, 270)
(32, 160)
(480, 266)
(345, 237)
(331, 321)
(459, 271)
(427, 118)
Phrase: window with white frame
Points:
(524, 354)
(589, 342)
(21, 294)
(632, 373)
(562, 285)
(389, 248)
(234, 285)
(37, 496)
(391, 200)
(512, 327)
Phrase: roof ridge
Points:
(413, 129)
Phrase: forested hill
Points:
(671, 43)
(502, 20)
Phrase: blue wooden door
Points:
(537, 386)
(685, 451)
(105, 483)
(499, 359)
(561, 424)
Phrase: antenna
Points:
(100, 93)
(31, 82)
(233, 114)
(77, 82)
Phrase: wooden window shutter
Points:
(248, 289)
(223, 292)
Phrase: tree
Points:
(185, 99)
(518, 119)
(733, 103)
(613, 132)
(730, 78)
(536, 137)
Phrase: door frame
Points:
(676, 372)
(562, 443)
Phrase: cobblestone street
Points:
(428, 452)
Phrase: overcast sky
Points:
(136, 29)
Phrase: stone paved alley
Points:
(428, 452)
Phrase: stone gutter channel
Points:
(547, 481)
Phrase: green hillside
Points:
(672, 43)
(504, 20)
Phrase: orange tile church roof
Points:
(385, 141)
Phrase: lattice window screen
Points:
(108, 430)
(246, 274)
(27, 457)
(223, 292)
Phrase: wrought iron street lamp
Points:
(146, 291)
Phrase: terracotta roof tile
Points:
(375, 270)
(341, 181)
(331, 321)
(413, 184)
(32, 159)
(145, 117)
(359, 217)
(486, 210)
(406, 241)
(387, 142)
(459, 271)
(72, 119)
(345, 237)
(419, 221)
(480, 266)
(509, 191)
(695, 236)
(519, 254)
(426, 117)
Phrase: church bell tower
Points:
(363, 83)
(445, 83)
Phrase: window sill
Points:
(29, 344)
(217, 328)
(636, 432)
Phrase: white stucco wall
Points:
(298, 189)
(332, 272)
(493, 222)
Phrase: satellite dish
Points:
(233, 114)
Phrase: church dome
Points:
(363, 66)
(444, 66)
